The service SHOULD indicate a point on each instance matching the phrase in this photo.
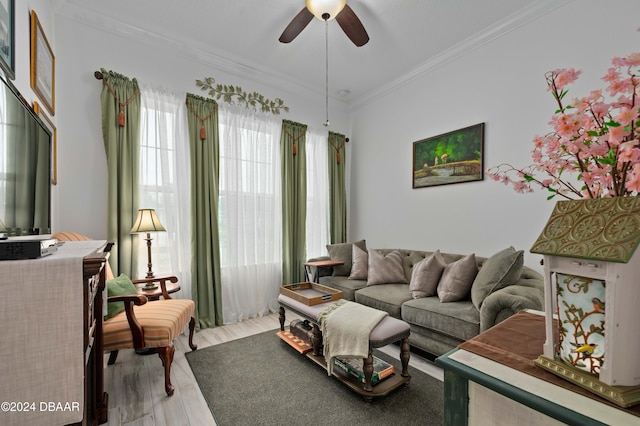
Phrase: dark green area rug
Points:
(260, 380)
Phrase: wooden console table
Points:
(51, 315)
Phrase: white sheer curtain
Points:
(165, 183)
(317, 228)
(250, 213)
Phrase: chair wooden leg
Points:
(166, 355)
(112, 357)
(192, 327)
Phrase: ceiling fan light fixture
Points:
(330, 7)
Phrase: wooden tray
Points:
(310, 293)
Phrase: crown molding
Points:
(221, 61)
(487, 35)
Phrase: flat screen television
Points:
(25, 166)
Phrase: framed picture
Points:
(452, 157)
(54, 134)
(42, 66)
(7, 39)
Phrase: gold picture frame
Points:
(54, 134)
(42, 66)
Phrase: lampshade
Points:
(2, 227)
(320, 7)
(147, 221)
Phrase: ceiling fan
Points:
(326, 10)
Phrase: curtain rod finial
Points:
(98, 75)
(346, 139)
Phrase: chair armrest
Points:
(161, 280)
(136, 329)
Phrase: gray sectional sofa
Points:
(501, 285)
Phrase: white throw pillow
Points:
(385, 269)
(457, 279)
(360, 264)
(426, 274)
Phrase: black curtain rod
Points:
(98, 75)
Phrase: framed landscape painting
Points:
(452, 157)
(43, 65)
(7, 42)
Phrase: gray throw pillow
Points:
(360, 263)
(426, 274)
(342, 251)
(499, 271)
(385, 269)
(457, 278)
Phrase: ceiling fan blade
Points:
(352, 26)
(296, 26)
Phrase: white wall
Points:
(501, 84)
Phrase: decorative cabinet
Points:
(51, 330)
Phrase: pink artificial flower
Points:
(628, 61)
(627, 115)
(633, 181)
(616, 135)
(565, 76)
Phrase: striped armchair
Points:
(145, 325)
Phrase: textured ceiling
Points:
(241, 36)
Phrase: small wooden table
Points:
(155, 293)
(310, 267)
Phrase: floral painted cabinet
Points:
(592, 288)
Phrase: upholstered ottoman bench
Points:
(388, 330)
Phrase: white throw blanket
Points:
(345, 329)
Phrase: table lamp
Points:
(3, 231)
(147, 221)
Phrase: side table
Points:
(311, 268)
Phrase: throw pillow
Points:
(360, 264)
(499, 271)
(426, 274)
(342, 252)
(118, 287)
(385, 269)
(457, 278)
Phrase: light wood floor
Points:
(135, 383)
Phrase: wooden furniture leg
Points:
(166, 355)
(317, 340)
(367, 369)
(192, 327)
(282, 318)
(405, 354)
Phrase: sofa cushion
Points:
(499, 271)
(119, 286)
(457, 319)
(425, 275)
(457, 278)
(385, 269)
(360, 263)
(342, 252)
(388, 297)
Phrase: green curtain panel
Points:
(337, 188)
(204, 144)
(294, 200)
(120, 99)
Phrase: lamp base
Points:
(623, 396)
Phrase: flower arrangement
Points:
(594, 149)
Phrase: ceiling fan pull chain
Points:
(326, 94)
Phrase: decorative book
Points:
(353, 368)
